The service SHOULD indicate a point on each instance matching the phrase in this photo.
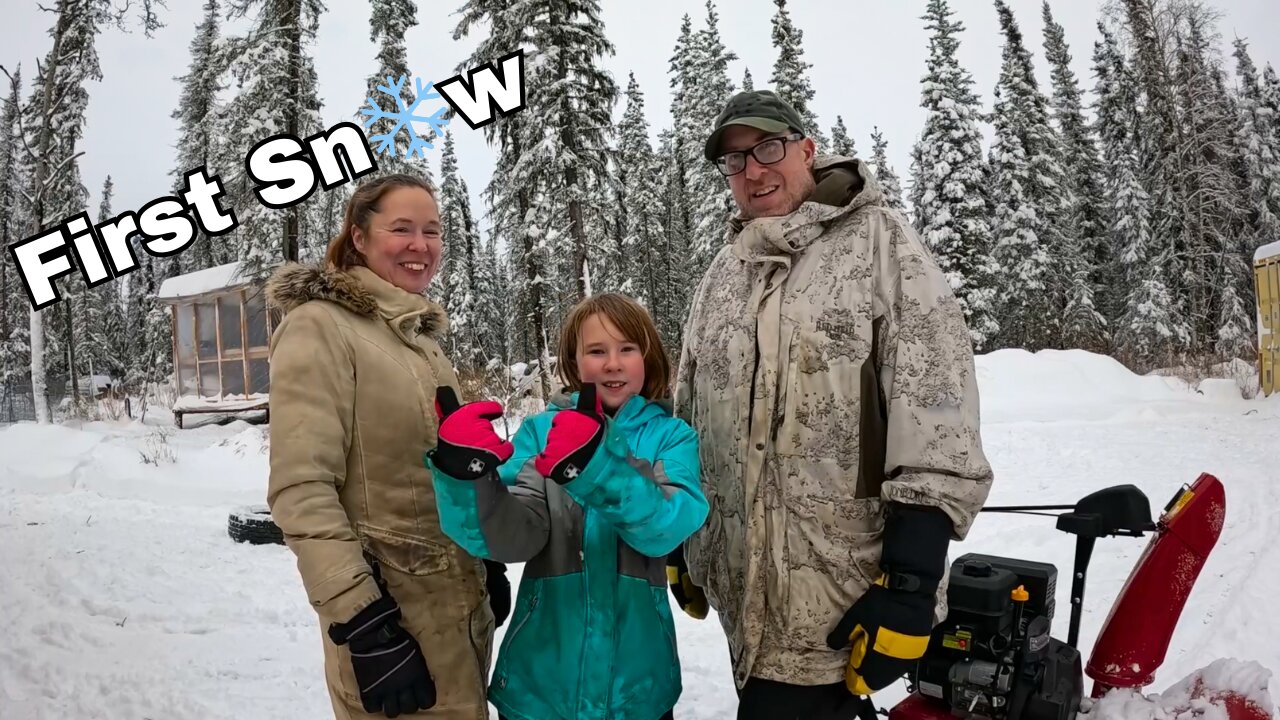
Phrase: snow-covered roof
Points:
(202, 281)
(1267, 250)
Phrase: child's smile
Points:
(611, 361)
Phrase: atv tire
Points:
(253, 524)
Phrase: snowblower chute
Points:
(993, 656)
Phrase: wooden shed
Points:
(221, 335)
(1266, 273)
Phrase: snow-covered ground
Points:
(122, 597)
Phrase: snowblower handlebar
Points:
(1114, 511)
(1118, 510)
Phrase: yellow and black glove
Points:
(688, 596)
(888, 627)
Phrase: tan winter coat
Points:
(827, 369)
(354, 368)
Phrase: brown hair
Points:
(636, 325)
(342, 252)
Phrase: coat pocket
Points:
(404, 553)
(821, 410)
(833, 556)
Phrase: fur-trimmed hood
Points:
(358, 290)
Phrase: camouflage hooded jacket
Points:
(827, 370)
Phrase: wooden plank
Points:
(244, 341)
(177, 362)
(195, 345)
(1269, 353)
(217, 345)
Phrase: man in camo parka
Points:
(829, 374)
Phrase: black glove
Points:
(388, 664)
(499, 590)
(691, 599)
(889, 626)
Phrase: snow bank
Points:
(1227, 689)
(1054, 385)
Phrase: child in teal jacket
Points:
(592, 496)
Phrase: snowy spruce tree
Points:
(1160, 142)
(1028, 196)
(148, 322)
(675, 216)
(577, 106)
(275, 92)
(565, 151)
(700, 79)
(1088, 256)
(1146, 328)
(510, 203)
(1215, 223)
(463, 257)
(1269, 92)
(105, 349)
(645, 239)
(15, 361)
(790, 77)
(680, 157)
(885, 176)
(1259, 137)
(747, 83)
(494, 305)
(389, 23)
(618, 255)
(949, 191)
(198, 135)
(515, 203)
(841, 143)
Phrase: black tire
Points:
(253, 524)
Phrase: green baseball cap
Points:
(760, 109)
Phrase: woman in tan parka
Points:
(354, 367)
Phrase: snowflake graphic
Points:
(404, 118)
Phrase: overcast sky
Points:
(867, 60)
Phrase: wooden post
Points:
(217, 343)
(244, 340)
(195, 345)
(177, 361)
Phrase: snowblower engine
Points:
(993, 657)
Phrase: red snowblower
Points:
(993, 658)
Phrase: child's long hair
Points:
(636, 325)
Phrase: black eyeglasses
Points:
(766, 152)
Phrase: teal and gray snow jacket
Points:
(591, 635)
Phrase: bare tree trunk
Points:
(535, 302)
(39, 396)
(68, 334)
(579, 235)
(38, 197)
(292, 223)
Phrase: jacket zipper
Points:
(511, 638)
